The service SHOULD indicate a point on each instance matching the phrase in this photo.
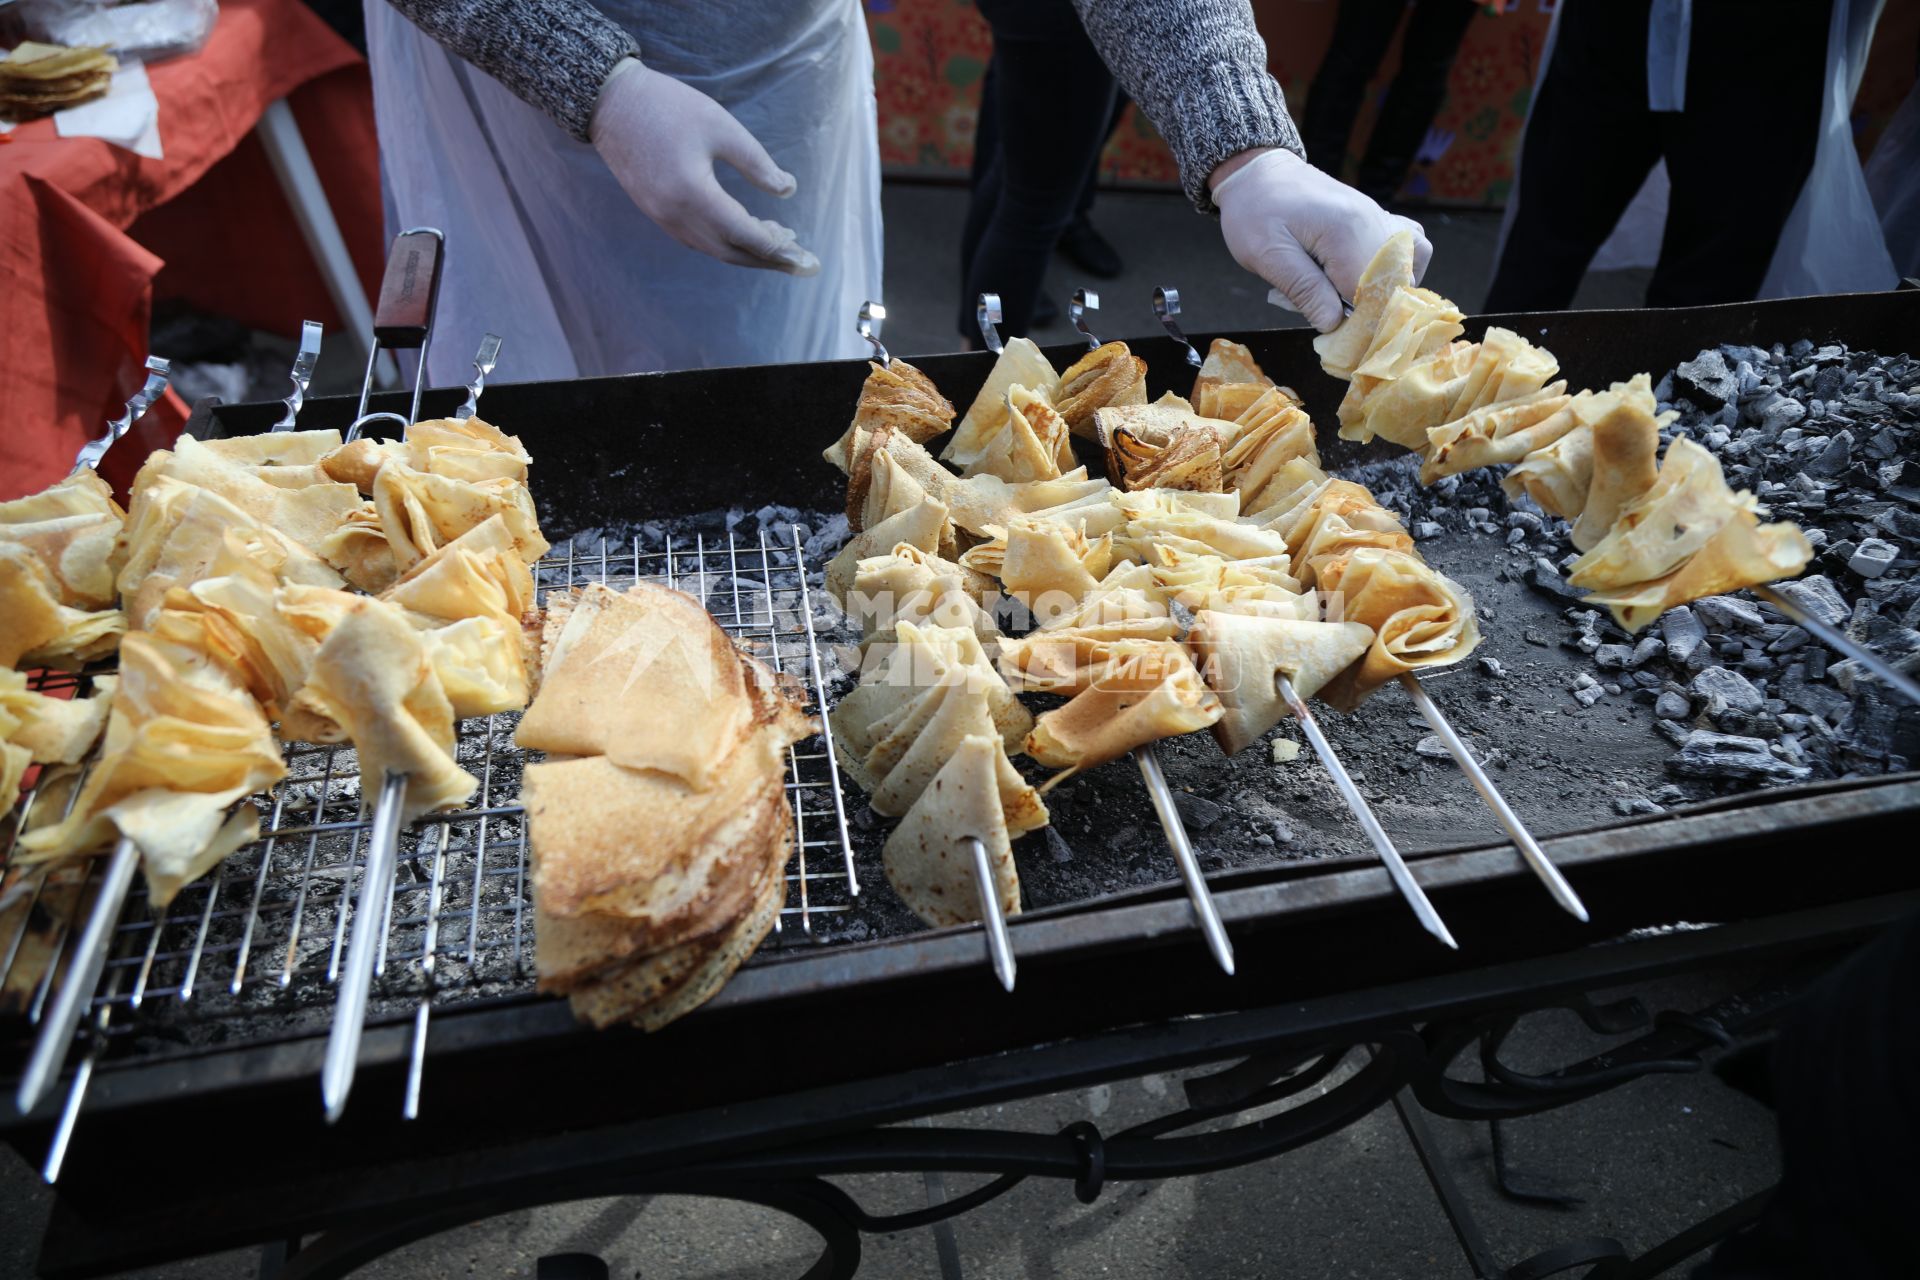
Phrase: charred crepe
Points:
(1107, 375)
(897, 396)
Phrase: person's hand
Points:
(661, 138)
(1306, 234)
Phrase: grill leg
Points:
(1445, 1189)
(571, 1266)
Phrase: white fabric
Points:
(546, 249)
(1306, 234)
(1831, 242)
(1893, 175)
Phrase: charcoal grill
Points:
(213, 1019)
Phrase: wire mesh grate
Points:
(257, 943)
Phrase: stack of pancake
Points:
(39, 79)
(658, 827)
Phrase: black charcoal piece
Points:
(1492, 666)
(1197, 811)
(1731, 758)
(1873, 557)
(1673, 706)
(1818, 596)
(1683, 632)
(1722, 689)
(1612, 657)
(1707, 380)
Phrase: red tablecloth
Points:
(90, 232)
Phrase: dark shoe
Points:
(1045, 311)
(1090, 250)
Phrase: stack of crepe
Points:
(658, 827)
(1654, 537)
(39, 79)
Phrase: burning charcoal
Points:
(1706, 379)
(1725, 757)
(1197, 811)
(1723, 690)
(1833, 460)
(1612, 657)
(1683, 632)
(1673, 706)
(1726, 612)
(1872, 558)
(1818, 596)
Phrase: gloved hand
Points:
(1306, 234)
(661, 138)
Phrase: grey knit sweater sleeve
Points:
(1198, 68)
(553, 53)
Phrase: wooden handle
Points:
(409, 291)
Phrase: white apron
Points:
(546, 250)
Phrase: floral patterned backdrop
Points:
(929, 56)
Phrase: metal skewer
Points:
(1834, 639)
(1523, 840)
(301, 373)
(872, 316)
(404, 319)
(1166, 305)
(1197, 891)
(1083, 301)
(155, 386)
(75, 993)
(987, 314)
(483, 362)
(1382, 843)
(999, 946)
(1148, 760)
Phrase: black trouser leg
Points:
(1053, 97)
(983, 188)
(1433, 38)
(1590, 143)
(1087, 188)
(1361, 34)
(1741, 151)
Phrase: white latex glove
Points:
(1306, 234)
(661, 139)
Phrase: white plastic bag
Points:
(1893, 176)
(144, 32)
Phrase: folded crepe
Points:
(1390, 270)
(1298, 480)
(1655, 533)
(1190, 578)
(1019, 364)
(977, 793)
(73, 529)
(909, 585)
(359, 551)
(1113, 717)
(374, 677)
(1108, 375)
(644, 677)
(38, 729)
(478, 574)
(1626, 441)
(184, 742)
(36, 629)
(1189, 458)
(897, 396)
(466, 449)
(1126, 594)
(1067, 662)
(1045, 557)
(1270, 434)
(1419, 618)
(1415, 325)
(1031, 442)
(1741, 553)
(1557, 476)
(1239, 655)
(1230, 380)
(1197, 534)
(307, 514)
(1499, 433)
(924, 525)
(478, 663)
(420, 512)
(890, 489)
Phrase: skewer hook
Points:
(1197, 891)
(301, 374)
(1166, 305)
(1382, 843)
(1083, 301)
(872, 316)
(155, 386)
(999, 946)
(1516, 830)
(483, 362)
(987, 314)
